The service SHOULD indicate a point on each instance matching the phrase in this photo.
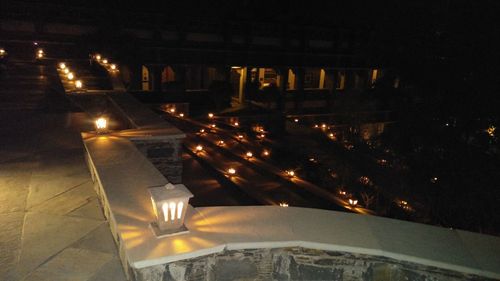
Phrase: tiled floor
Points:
(52, 227)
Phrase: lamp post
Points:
(170, 203)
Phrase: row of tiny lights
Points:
(104, 61)
(231, 171)
(69, 75)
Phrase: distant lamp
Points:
(266, 152)
(2, 52)
(353, 202)
(172, 110)
(70, 76)
(62, 65)
(101, 125)
(78, 84)
(290, 173)
(39, 55)
(231, 172)
(105, 61)
(249, 155)
(323, 125)
(199, 148)
(210, 115)
(98, 57)
(170, 203)
(296, 120)
(181, 115)
(113, 66)
(236, 124)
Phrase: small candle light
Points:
(202, 131)
(101, 125)
(210, 115)
(290, 173)
(283, 204)
(213, 126)
(62, 65)
(220, 143)
(181, 115)
(98, 57)
(296, 120)
(105, 61)
(199, 148)
(353, 202)
(236, 124)
(231, 171)
(66, 70)
(172, 110)
(113, 66)
(240, 137)
(70, 76)
(78, 84)
(266, 152)
(249, 154)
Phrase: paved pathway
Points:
(52, 223)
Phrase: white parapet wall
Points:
(123, 174)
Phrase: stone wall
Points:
(295, 264)
(165, 154)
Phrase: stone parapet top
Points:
(124, 175)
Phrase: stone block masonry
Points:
(165, 154)
(287, 264)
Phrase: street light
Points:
(170, 204)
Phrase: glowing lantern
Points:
(70, 76)
(101, 125)
(249, 154)
(66, 70)
(39, 55)
(170, 203)
(172, 110)
(113, 66)
(62, 65)
(210, 115)
(290, 173)
(202, 131)
(199, 148)
(231, 171)
(78, 84)
(323, 125)
(181, 115)
(266, 152)
(353, 202)
(98, 57)
(236, 124)
(105, 61)
(2, 52)
(316, 126)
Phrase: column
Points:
(283, 82)
(156, 73)
(300, 94)
(243, 82)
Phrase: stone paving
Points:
(52, 226)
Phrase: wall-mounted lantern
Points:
(170, 203)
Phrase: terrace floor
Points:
(52, 224)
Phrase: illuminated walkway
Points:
(52, 223)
